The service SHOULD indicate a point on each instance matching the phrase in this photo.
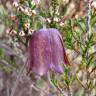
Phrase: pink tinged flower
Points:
(46, 51)
(35, 2)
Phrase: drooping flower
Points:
(46, 51)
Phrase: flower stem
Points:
(17, 79)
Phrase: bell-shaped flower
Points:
(46, 51)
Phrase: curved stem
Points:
(80, 82)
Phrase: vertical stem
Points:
(88, 25)
(88, 21)
(42, 19)
(8, 91)
(69, 91)
(87, 91)
(17, 79)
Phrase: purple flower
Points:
(46, 51)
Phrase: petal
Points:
(60, 41)
(57, 51)
(39, 52)
(66, 61)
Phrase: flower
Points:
(27, 25)
(11, 32)
(21, 33)
(20, 8)
(15, 3)
(46, 51)
(48, 20)
(30, 31)
(93, 4)
(35, 2)
(61, 24)
(56, 19)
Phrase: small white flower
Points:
(57, 13)
(26, 11)
(94, 4)
(65, 1)
(31, 13)
(72, 5)
(15, 4)
(56, 19)
(20, 8)
(92, 50)
(35, 2)
(76, 16)
(8, 30)
(30, 32)
(48, 20)
(61, 24)
(34, 12)
(11, 32)
(21, 33)
(27, 25)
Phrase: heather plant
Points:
(73, 43)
